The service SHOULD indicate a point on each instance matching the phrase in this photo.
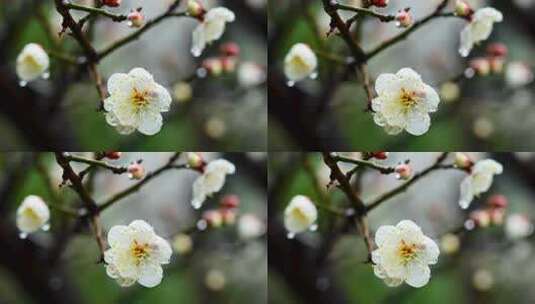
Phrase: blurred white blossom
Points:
(211, 181)
(32, 215)
(210, 29)
(32, 62)
(300, 62)
(478, 181)
(479, 28)
(300, 214)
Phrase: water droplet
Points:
(469, 224)
(23, 83)
(314, 75)
(290, 235)
(313, 227)
(350, 212)
(201, 72)
(46, 75)
(290, 83)
(130, 24)
(398, 24)
(196, 205)
(464, 52)
(46, 227)
(469, 73)
(81, 60)
(23, 235)
(350, 60)
(82, 212)
(202, 225)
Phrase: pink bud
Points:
(379, 155)
(228, 216)
(496, 64)
(136, 19)
(497, 216)
(136, 171)
(480, 217)
(195, 9)
(230, 201)
(230, 49)
(228, 64)
(213, 218)
(379, 3)
(463, 161)
(112, 155)
(497, 201)
(195, 160)
(112, 3)
(480, 65)
(404, 171)
(497, 50)
(463, 9)
(404, 18)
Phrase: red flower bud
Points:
(379, 3)
(379, 155)
(112, 3)
(230, 49)
(230, 201)
(112, 155)
(497, 201)
(136, 19)
(497, 50)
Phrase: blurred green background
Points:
(492, 113)
(238, 261)
(504, 264)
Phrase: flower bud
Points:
(136, 171)
(379, 155)
(230, 49)
(450, 243)
(112, 3)
(195, 160)
(379, 3)
(463, 9)
(213, 218)
(480, 217)
(404, 171)
(497, 201)
(496, 64)
(228, 216)
(404, 18)
(195, 9)
(112, 155)
(230, 201)
(136, 19)
(182, 92)
(481, 66)
(463, 161)
(450, 91)
(228, 64)
(213, 66)
(497, 50)
(497, 216)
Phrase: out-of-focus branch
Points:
(365, 11)
(98, 163)
(98, 11)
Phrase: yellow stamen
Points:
(140, 251)
(408, 98)
(140, 99)
(408, 252)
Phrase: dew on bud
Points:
(23, 235)
(82, 212)
(23, 83)
(81, 60)
(290, 83)
(130, 24)
(313, 227)
(202, 224)
(350, 212)
(314, 75)
(469, 73)
(46, 75)
(290, 235)
(46, 227)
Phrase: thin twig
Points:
(365, 11)
(98, 163)
(98, 11)
(117, 197)
(365, 163)
(437, 13)
(388, 195)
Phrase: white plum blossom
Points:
(211, 181)
(250, 226)
(300, 214)
(404, 254)
(300, 62)
(32, 62)
(33, 214)
(479, 180)
(404, 102)
(136, 254)
(136, 102)
(479, 28)
(518, 226)
(211, 28)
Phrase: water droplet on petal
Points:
(23, 83)
(314, 75)
(46, 75)
(23, 235)
(290, 235)
(46, 227)
(313, 227)
(398, 24)
(202, 225)
(290, 83)
(129, 23)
